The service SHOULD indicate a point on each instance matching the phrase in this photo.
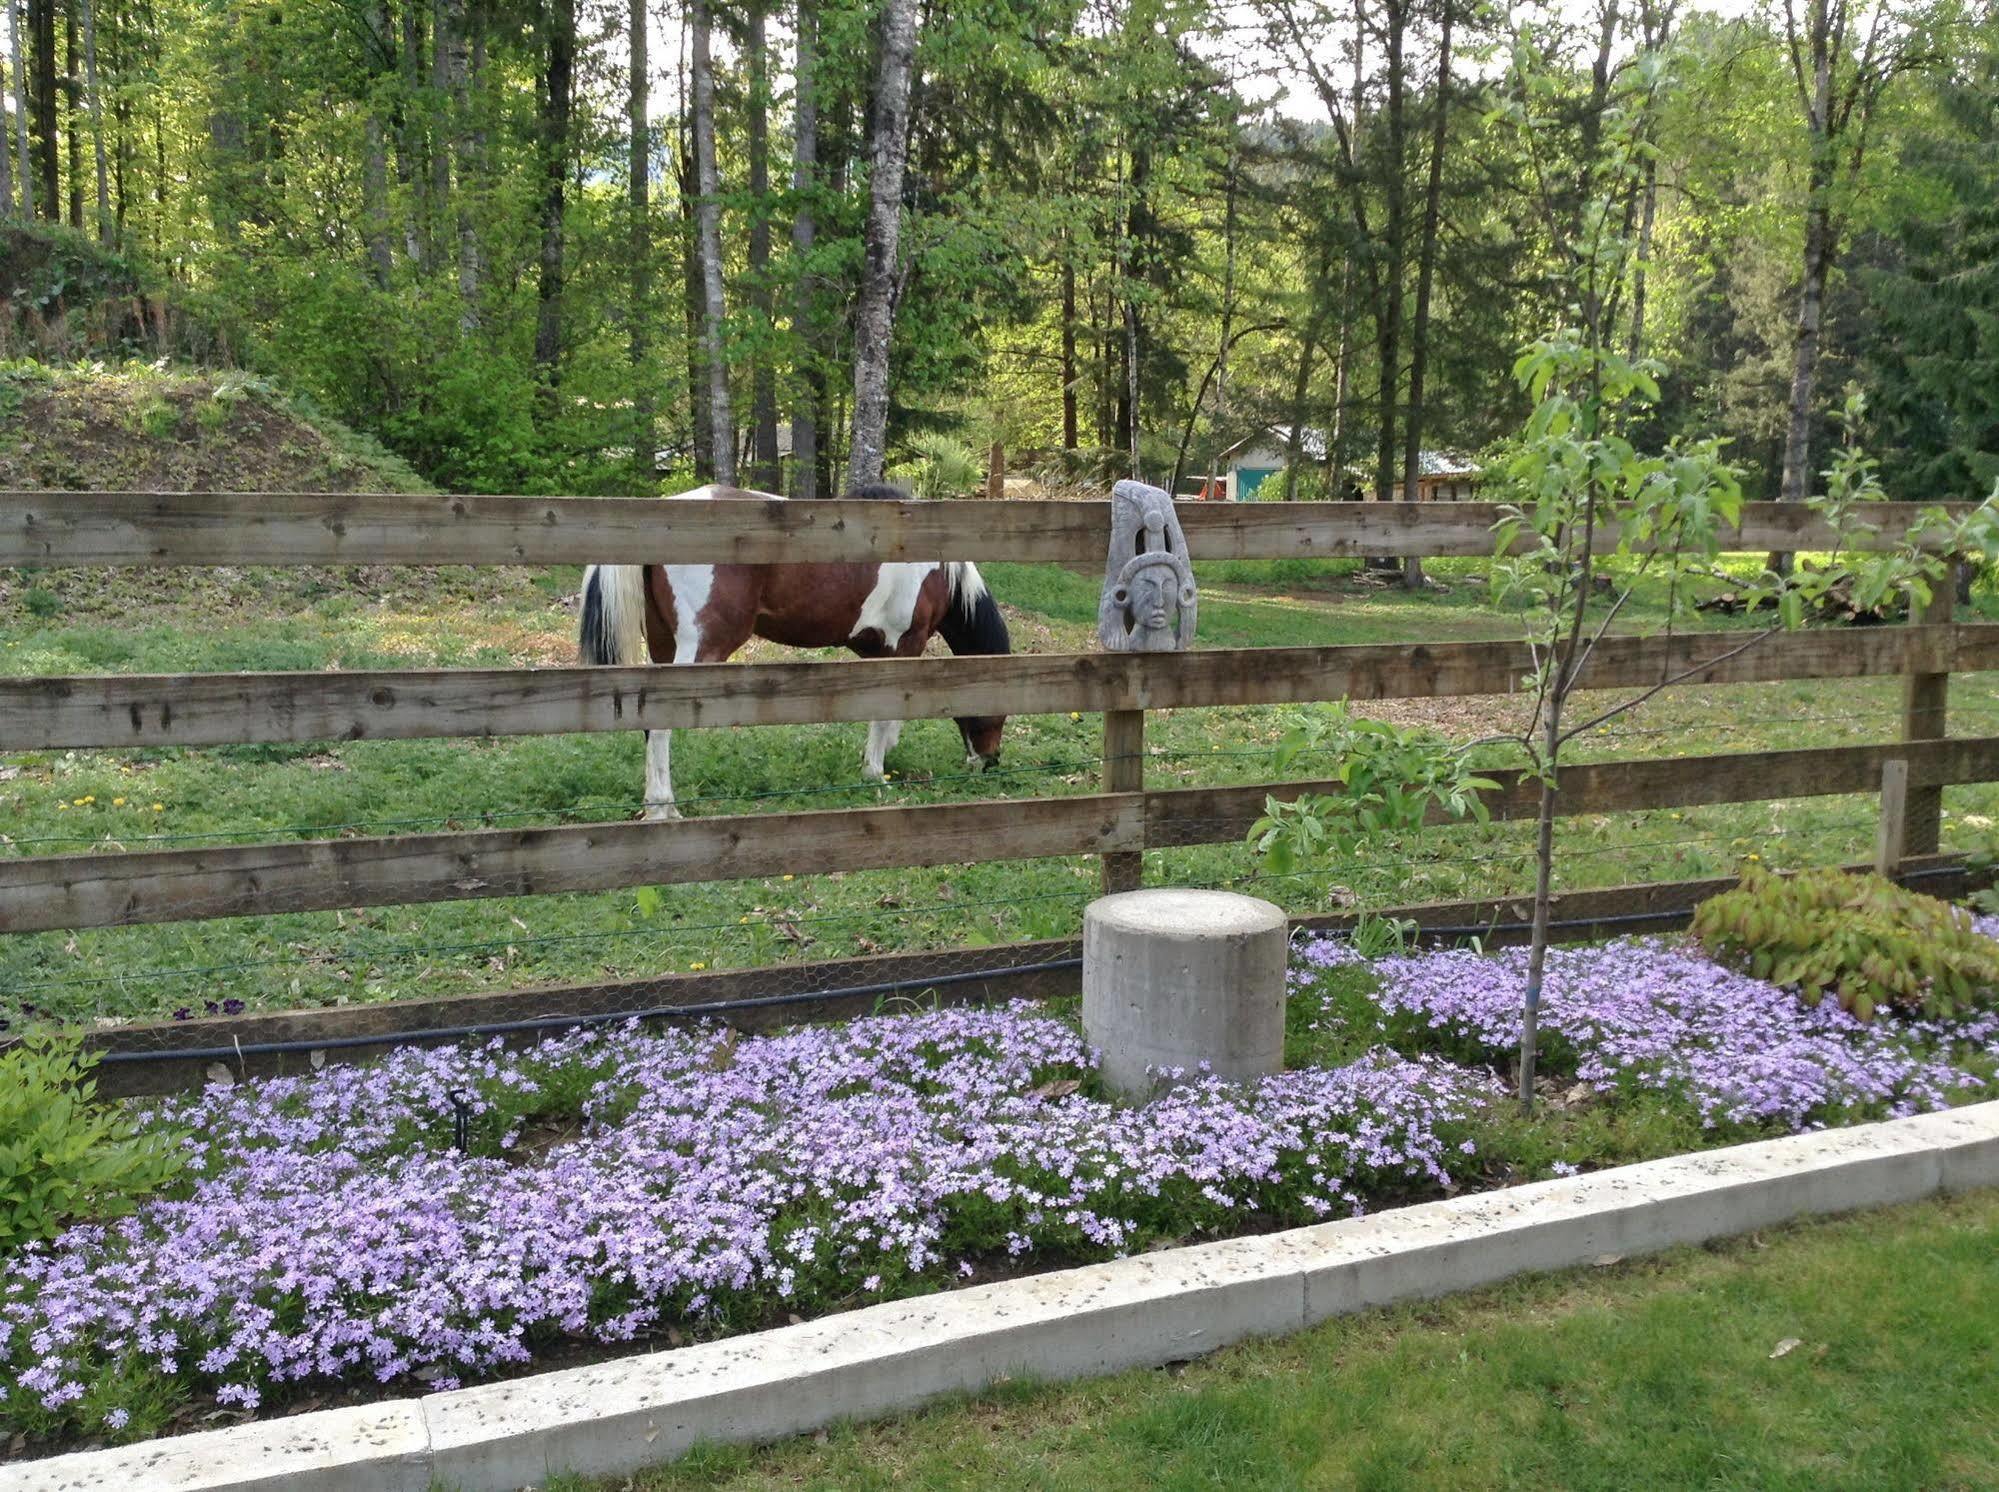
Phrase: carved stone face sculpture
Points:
(1148, 603)
(1155, 600)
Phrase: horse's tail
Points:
(613, 624)
(973, 622)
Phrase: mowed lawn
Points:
(1861, 1353)
(63, 802)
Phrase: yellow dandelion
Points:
(63, 806)
(742, 919)
(159, 808)
(1075, 714)
(697, 967)
(117, 802)
(787, 878)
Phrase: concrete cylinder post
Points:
(1175, 979)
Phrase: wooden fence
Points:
(1124, 818)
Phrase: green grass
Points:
(1656, 1373)
(61, 802)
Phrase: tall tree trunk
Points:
(467, 56)
(95, 100)
(804, 224)
(703, 427)
(1068, 350)
(1301, 383)
(72, 136)
(375, 174)
(764, 472)
(7, 168)
(645, 442)
(1137, 235)
(708, 222)
(447, 58)
(42, 103)
(874, 315)
(375, 203)
(1389, 338)
(809, 368)
(1228, 289)
(412, 165)
(559, 25)
(1648, 214)
(1419, 332)
(1797, 476)
(123, 156)
(1336, 433)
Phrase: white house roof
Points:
(1312, 442)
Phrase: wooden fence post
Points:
(1891, 839)
(1124, 772)
(996, 471)
(1925, 697)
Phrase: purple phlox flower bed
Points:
(1656, 1015)
(329, 1234)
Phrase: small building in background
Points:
(1442, 476)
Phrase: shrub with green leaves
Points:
(64, 1157)
(1858, 939)
(1392, 778)
(942, 467)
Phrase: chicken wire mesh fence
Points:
(806, 947)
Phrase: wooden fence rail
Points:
(126, 711)
(100, 888)
(225, 528)
(120, 888)
(170, 1056)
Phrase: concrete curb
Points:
(615, 1417)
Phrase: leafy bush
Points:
(63, 1157)
(943, 468)
(1392, 777)
(1859, 939)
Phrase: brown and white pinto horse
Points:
(703, 613)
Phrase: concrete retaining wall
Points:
(616, 1416)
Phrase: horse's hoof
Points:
(869, 774)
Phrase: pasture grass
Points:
(1663, 1372)
(62, 802)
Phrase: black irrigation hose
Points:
(807, 997)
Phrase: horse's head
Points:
(972, 624)
(982, 739)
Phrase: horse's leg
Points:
(659, 776)
(882, 736)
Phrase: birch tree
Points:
(874, 315)
(708, 246)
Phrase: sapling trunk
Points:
(1537, 948)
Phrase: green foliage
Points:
(1858, 939)
(943, 467)
(1392, 777)
(64, 1157)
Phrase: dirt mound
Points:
(146, 429)
(143, 428)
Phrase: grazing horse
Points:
(703, 613)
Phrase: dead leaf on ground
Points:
(1785, 1347)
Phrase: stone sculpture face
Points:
(1149, 600)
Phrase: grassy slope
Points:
(1657, 1373)
(138, 427)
